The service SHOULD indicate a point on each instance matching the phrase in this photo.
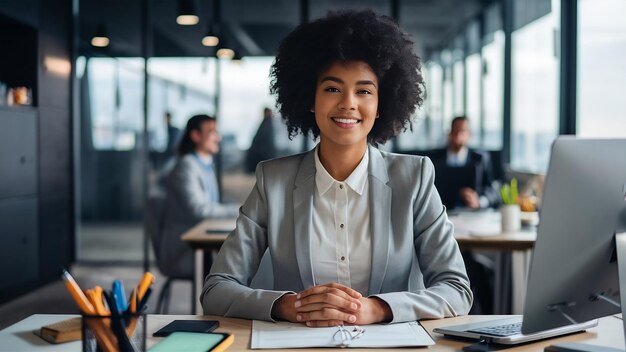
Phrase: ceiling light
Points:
(210, 40)
(186, 13)
(225, 53)
(101, 39)
(187, 20)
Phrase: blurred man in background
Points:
(464, 175)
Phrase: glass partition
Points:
(472, 91)
(601, 70)
(493, 85)
(535, 88)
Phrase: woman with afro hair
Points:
(354, 235)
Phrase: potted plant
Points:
(510, 209)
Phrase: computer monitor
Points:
(574, 271)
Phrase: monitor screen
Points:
(574, 259)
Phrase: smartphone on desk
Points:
(194, 342)
(187, 326)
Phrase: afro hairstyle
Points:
(365, 36)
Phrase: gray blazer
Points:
(409, 226)
(186, 205)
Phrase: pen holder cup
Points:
(126, 333)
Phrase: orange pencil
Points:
(77, 294)
(143, 286)
(146, 282)
(95, 297)
(103, 335)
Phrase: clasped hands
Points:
(331, 304)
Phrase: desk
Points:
(481, 231)
(206, 235)
(19, 337)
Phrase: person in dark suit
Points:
(464, 176)
(173, 134)
(263, 146)
(464, 180)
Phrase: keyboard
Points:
(500, 330)
(508, 330)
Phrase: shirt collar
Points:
(458, 158)
(204, 160)
(356, 181)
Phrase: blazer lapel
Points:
(303, 213)
(380, 219)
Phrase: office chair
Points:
(153, 225)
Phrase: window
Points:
(535, 88)
(459, 85)
(472, 89)
(434, 89)
(601, 71)
(116, 99)
(181, 86)
(448, 87)
(419, 138)
(244, 94)
(493, 85)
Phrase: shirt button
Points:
(341, 226)
(343, 258)
(341, 186)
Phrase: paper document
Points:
(291, 335)
(477, 223)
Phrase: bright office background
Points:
(186, 86)
(464, 77)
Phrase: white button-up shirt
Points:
(341, 245)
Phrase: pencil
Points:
(103, 335)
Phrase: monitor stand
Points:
(620, 245)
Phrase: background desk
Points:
(208, 235)
(19, 337)
(481, 231)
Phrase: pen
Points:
(144, 300)
(119, 296)
(118, 326)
